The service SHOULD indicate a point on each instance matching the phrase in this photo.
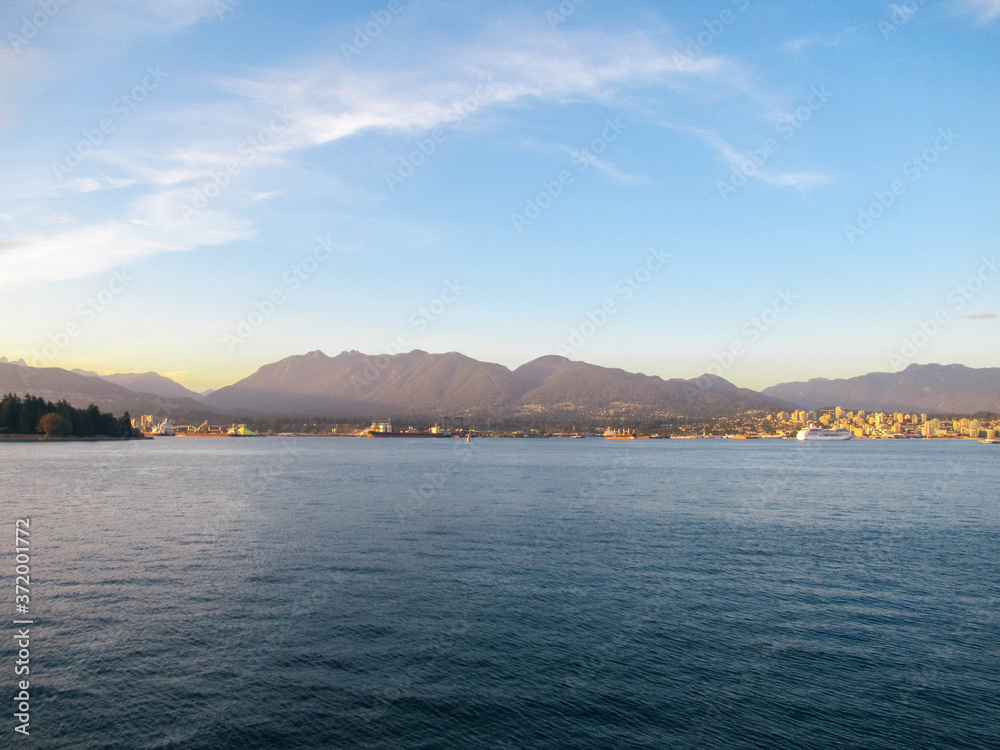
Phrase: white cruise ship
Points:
(812, 432)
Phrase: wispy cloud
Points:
(987, 10)
(737, 159)
(980, 316)
(800, 44)
(334, 100)
(153, 227)
(327, 101)
(610, 170)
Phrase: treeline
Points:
(31, 415)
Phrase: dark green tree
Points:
(10, 414)
(125, 425)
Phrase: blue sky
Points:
(769, 191)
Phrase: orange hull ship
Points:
(619, 434)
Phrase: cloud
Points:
(980, 316)
(334, 100)
(154, 226)
(262, 118)
(799, 44)
(988, 10)
(737, 160)
(609, 169)
(59, 219)
(153, 16)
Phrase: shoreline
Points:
(73, 439)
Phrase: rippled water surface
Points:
(340, 593)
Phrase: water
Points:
(338, 593)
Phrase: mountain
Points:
(144, 382)
(918, 388)
(54, 383)
(418, 383)
(151, 382)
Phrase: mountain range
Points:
(145, 382)
(418, 383)
(55, 383)
(919, 388)
(354, 384)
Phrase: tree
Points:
(125, 425)
(55, 425)
(33, 408)
(83, 423)
(10, 413)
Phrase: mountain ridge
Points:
(930, 388)
(55, 383)
(416, 382)
(356, 384)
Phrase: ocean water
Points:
(343, 593)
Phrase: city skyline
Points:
(762, 191)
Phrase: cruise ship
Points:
(812, 432)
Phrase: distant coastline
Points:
(47, 439)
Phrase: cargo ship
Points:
(619, 434)
(203, 430)
(385, 430)
(210, 430)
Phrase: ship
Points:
(812, 432)
(163, 429)
(385, 430)
(611, 434)
(203, 430)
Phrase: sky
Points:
(768, 191)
